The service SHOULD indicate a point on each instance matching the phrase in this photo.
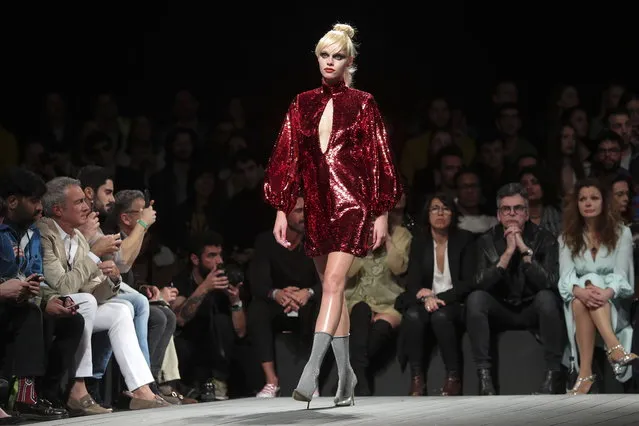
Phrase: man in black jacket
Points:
(516, 288)
(285, 285)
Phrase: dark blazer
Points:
(461, 263)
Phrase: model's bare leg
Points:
(332, 270)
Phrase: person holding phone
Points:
(72, 269)
(210, 317)
(41, 331)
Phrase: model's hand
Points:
(279, 229)
(380, 230)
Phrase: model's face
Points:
(333, 63)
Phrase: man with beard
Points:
(27, 344)
(607, 156)
(210, 317)
(285, 287)
(151, 322)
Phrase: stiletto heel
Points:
(349, 399)
(626, 359)
(580, 381)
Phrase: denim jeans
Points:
(139, 305)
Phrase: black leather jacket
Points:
(521, 281)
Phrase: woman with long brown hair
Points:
(596, 282)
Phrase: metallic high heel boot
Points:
(618, 366)
(308, 382)
(346, 399)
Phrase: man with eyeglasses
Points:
(516, 288)
(608, 154)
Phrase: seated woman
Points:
(541, 197)
(441, 263)
(596, 282)
(370, 294)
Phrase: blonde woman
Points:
(333, 149)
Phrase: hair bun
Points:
(345, 28)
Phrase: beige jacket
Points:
(83, 277)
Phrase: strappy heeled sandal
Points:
(583, 380)
(619, 364)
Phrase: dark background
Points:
(144, 51)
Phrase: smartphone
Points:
(147, 198)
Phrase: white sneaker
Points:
(268, 391)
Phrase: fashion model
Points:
(333, 150)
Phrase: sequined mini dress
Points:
(346, 187)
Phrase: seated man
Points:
(210, 317)
(133, 220)
(285, 286)
(154, 325)
(70, 268)
(516, 288)
(32, 354)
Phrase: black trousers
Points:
(161, 327)
(265, 317)
(22, 340)
(62, 337)
(446, 323)
(206, 344)
(544, 313)
(34, 344)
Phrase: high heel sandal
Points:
(626, 359)
(346, 401)
(580, 381)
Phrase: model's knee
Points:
(333, 284)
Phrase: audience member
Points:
(516, 287)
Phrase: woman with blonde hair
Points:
(596, 282)
(333, 149)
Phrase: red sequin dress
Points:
(345, 188)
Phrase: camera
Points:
(233, 272)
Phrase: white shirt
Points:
(441, 279)
(71, 246)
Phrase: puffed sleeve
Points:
(281, 177)
(622, 280)
(567, 272)
(386, 189)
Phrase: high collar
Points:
(333, 89)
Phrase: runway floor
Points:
(493, 410)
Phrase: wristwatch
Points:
(528, 252)
(237, 307)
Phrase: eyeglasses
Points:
(518, 209)
(604, 151)
(440, 210)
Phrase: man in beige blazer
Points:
(71, 269)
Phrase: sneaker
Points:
(269, 391)
(221, 390)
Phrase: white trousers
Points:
(117, 320)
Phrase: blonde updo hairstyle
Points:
(341, 35)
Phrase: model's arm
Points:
(281, 178)
(386, 189)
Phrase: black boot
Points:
(554, 384)
(361, 315)
(485, 382)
